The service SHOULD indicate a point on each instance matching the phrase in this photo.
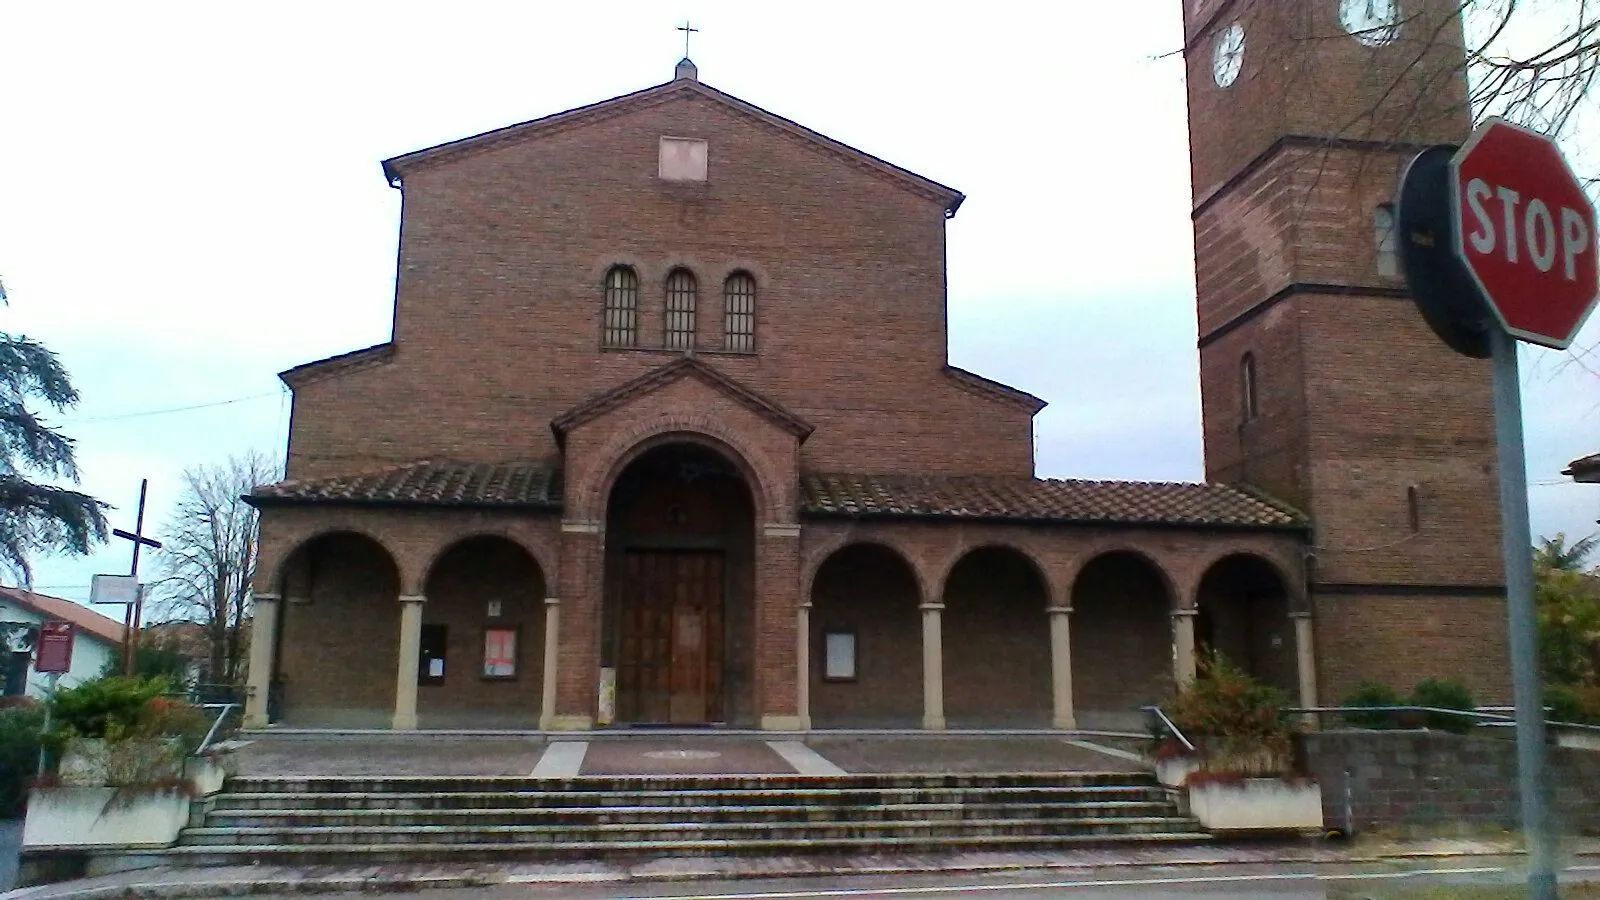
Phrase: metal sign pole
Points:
(1517, 548)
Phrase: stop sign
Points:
(1525, 231)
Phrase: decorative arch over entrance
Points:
(482, 637)
(339, 620)
(677, 630)
(997, 649)
(865, 600)
(1243, 612)
(1121, 637)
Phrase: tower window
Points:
(1385, 243)
(681, 295)
(1249, 395)
(620, 322)
(1414, 508)
(739, 313)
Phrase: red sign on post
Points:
(54, 653)
(1526, 232)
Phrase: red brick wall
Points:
(504, 252)
(869, 590)
(1121, 635)
(1400, 640)
(996, 642)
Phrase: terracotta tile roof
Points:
(102, 627)
(683, 367)
(1585, 469)
(511, 485)
(333, 365)
(1043, 500)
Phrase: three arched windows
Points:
(680, 310)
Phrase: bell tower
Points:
(1321, 384)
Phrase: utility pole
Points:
(135, 611)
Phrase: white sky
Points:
(190, 202)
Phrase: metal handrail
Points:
(223, 710)
(1486, 715)
(1170, 726)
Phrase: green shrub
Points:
(1238, 722)
(1576, 703)
(19, 755)
(1372, 693)
(103, 708)
(1444, 693)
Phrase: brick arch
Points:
(1175, 597)
(539, 556)
(1292, 587)
(819, 557)
(280, 566)
(1040, 571)
(588, 496)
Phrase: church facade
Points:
(666, 433)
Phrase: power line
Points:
(161, 412)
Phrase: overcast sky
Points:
(190, 202)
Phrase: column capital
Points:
(780, 530)
(569, 526)
(807, 605)
(1300, 614)
(413, 598)
(1185, 612)
(1059, 610)
(930, 607)
(266, 597)
(552, 601)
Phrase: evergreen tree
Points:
(37, 516)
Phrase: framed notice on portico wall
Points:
(500, 652)
(839, 655)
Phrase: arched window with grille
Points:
(1249, 395)
(620, 320)
(681, 297)
(739, 313)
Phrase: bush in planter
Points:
(1575, 703)
(1237, 722)
(1444, 693)
(122, 732)
(19, 754)
(105, 707)
(1372, 693)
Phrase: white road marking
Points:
(1058, 885)
(561, 759)
(1108, 751)
(805, 760)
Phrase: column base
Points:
(404, 723)
(1066, 723)
(255, 720)
(785, 723)
(933, 723)
(567, 723)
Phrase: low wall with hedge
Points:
(1430, 782)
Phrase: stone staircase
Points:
(297, 820)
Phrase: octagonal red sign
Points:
(1526, 232)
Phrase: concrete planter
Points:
(204, 774)
(84, 817)
(1257, 804)
(1577, 740)
(1175, 770)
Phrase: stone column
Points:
(263, 641)
(1183, 645)
(932, 666)
(777, 586)
(1061, 667)
(802, 655)
(405, 683)
(552, 660)
(582, 572)
(1306, 658)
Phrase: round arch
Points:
(1122, 603)
(1242, 605)
(997, 660)
(866, 638)
(595, 486)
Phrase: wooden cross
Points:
(687, 30)
(133, 613)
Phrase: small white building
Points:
(96, 640)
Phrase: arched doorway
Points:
(678, 644)
(1243, 613)
(482, 637)
(864, 616)
(1121, 639)
(996, 641)
(338, 634)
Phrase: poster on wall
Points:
(500, 653)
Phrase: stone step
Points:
(235, 799)
(631, 783)
(373, 854)
(577, 816)
(425, 835)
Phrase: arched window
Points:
(681, 291)
(1384, 240)
(739, 313)
(620, 321)
(1249, 396)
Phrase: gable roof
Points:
(683, 367)
(86, 619)
(1043, 501)
(1585, 468)
(333, 365)
(395, 168)
(476, 485)
(972, 381)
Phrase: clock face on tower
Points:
(1372, 22)
(1227, 56)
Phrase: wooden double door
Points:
(671, 647)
